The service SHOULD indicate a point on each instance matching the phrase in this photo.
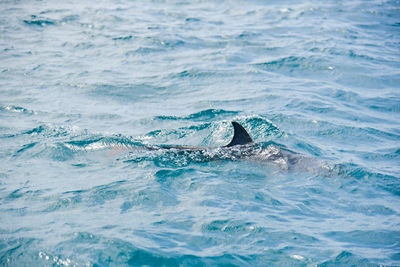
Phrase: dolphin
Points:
(240, 147)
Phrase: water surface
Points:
(81, 83)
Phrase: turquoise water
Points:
(86, 86)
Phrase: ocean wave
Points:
(207, 114)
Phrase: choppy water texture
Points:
(83, 82)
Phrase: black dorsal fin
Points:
(240, 136)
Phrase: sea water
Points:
(84, 84)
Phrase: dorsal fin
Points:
(240, 135)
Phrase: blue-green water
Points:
(83, 82)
